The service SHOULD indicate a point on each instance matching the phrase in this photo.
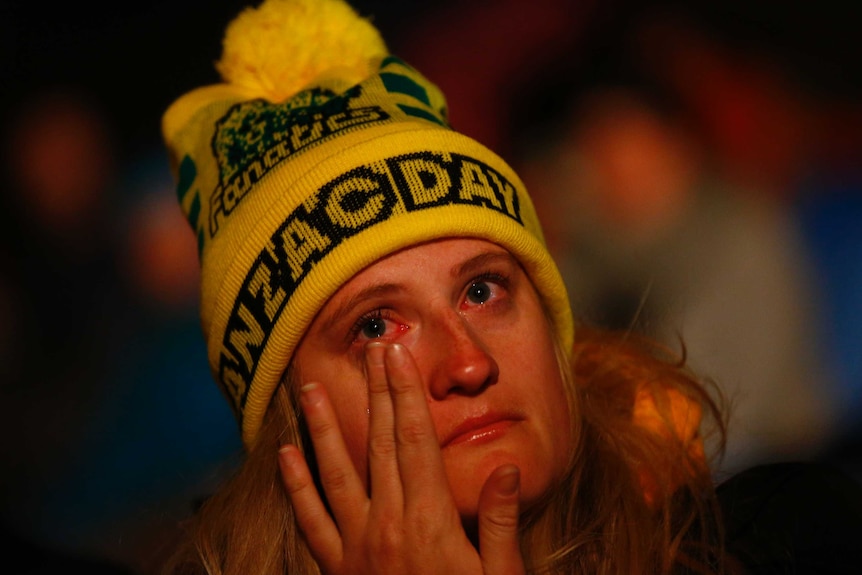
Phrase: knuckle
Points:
(501, 522)
(427, 523)
(297, 485)
(412, 432)
(321, 427)
(336, 479)
(387, 540)
(381, 446)
(424, 531)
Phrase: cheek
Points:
(352, 415)
(555, 401)
(563, 429)
(555, 412)
(347, 392)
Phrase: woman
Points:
(383, 315)
(472, 421)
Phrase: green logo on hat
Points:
(254, 137)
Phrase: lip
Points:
(481, 428)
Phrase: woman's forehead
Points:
(443, 253)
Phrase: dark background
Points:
(112, 427)
(133, 60)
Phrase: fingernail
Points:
(508, 483)
(288, 450)
(289, 456)
(396, 354)
(310, 394)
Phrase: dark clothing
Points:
(22, 556)
(793, 518)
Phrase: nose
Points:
(460, 362)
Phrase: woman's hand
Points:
(409, 524)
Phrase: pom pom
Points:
(281, 47)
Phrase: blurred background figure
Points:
(680, 154)
(103, 347)
(57, 250)
(652, 241)
(776, 102)
(63, 296)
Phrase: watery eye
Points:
(479, 292)
(374, 327)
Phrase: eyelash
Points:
(493, 277)
(362, 321)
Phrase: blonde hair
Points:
(634, 501)
(597, 520)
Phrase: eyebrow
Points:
(481, 261)
(372, 291)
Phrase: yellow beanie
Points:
(319, 154)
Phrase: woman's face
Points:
(473, 322)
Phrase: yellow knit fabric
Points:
(283, 46)
(295, 182)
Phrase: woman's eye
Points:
(376, 324)
(479, 292)
(487, 288)
(373, 328)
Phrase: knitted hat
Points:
(319, 154)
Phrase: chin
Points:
(467, 478)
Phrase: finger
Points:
(341, 484)
(420, 462)
(499, 542)
(382, 460)
(314, 520)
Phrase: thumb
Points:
(499, 544)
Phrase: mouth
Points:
(477, 430)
